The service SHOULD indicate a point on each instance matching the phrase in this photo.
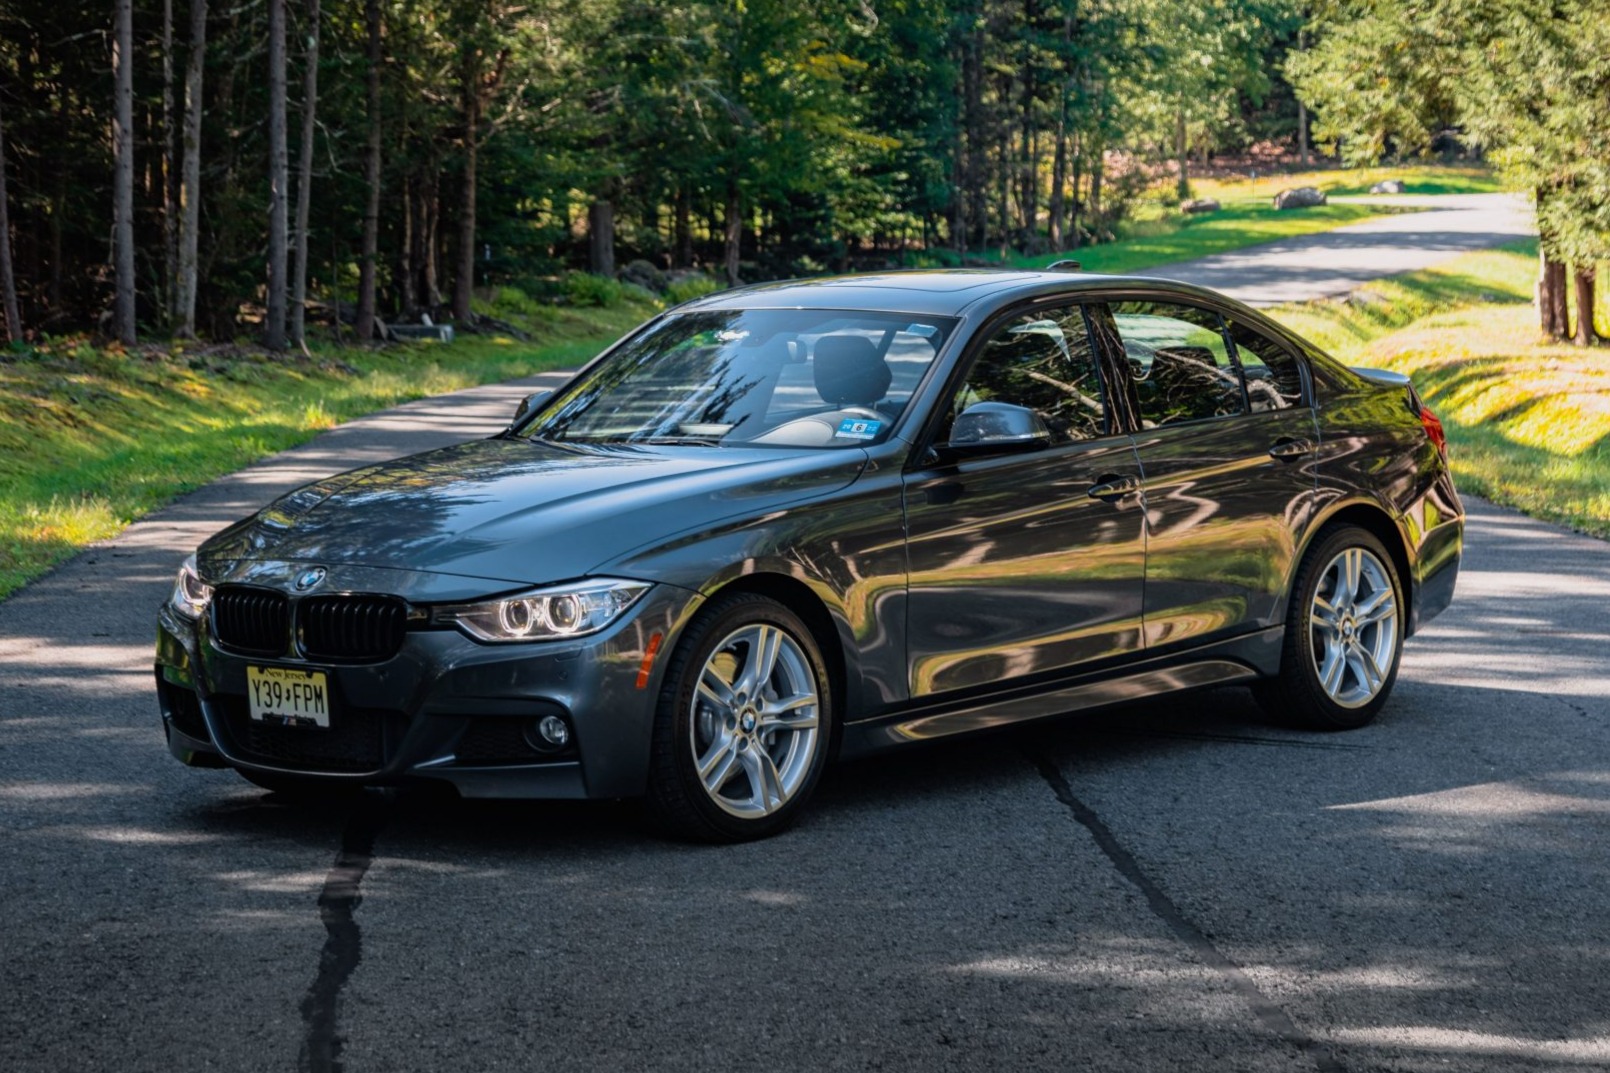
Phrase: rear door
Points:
(1025, 562)
(1226, 441)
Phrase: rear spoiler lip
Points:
(1380, 376)
(1389, 379)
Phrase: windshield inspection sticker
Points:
(851, 429)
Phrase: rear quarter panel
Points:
(1374, 451)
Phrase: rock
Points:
(1199, 205)
(644, 274)
(1388, 186)
(441, 333)
(1301, 197)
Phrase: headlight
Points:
(190, 594)
(546, 614)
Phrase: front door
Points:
(1025, 562)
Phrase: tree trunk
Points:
(1098, 170)
(464, 279)
(170, 161)
(304, 175)
(684, 228)
(1182, 187)
(1004, 184)
(1585, 333)
(434, 257)
(123, 177)
(402, 270)
(975, 181)
(1059, 179)
(278, 177)
(1076, 153)
(1551, 297)
(1302, 110)
(371, 176)
(601, 237)
(8, 280)
(184, 298)
(734, 232)
(1028, 207)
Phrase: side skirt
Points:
(1225, 663)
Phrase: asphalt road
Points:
(1170, 886)
(1335, 262)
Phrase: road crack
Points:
(1269, 1013)
(343, 939)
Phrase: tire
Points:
(300, 790)
(1340, 656)
(760, 745)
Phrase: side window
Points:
(1044, 361)
(1274, 378)
(1178, 361)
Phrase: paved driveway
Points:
(1335, 262)
(1169, 886)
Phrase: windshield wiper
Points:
(676, 441)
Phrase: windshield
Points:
(768, 377)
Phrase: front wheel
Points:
(1344, 635)
(743, 723)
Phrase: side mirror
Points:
(996, 427)
(530, 405)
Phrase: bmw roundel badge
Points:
(309, 578)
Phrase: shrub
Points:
(689, 288)
(586, 289)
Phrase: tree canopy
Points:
(461, 143)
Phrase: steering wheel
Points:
(863, 411)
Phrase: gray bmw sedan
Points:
(813, 519)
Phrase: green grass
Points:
(91, 439)
(1177, 237)
(1342, 182)
(1528, 421)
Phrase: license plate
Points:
(288, 697)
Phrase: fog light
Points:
(553, 733)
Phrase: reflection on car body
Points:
(812, 519)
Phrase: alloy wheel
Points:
(1354, 622)
(755, 721)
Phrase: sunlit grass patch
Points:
(1177, 237)
(91, 438)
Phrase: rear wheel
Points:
(741, 732)
(1344, 635)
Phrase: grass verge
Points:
(1528, 422)
(91, 439)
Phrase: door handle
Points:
(1113, 486)
(1286, 449)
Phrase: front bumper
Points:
(445, 708)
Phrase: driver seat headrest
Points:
(849, 372)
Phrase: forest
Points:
(249, 168)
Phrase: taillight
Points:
(1433, 428)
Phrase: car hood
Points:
(521, 512)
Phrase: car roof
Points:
(937, 292)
